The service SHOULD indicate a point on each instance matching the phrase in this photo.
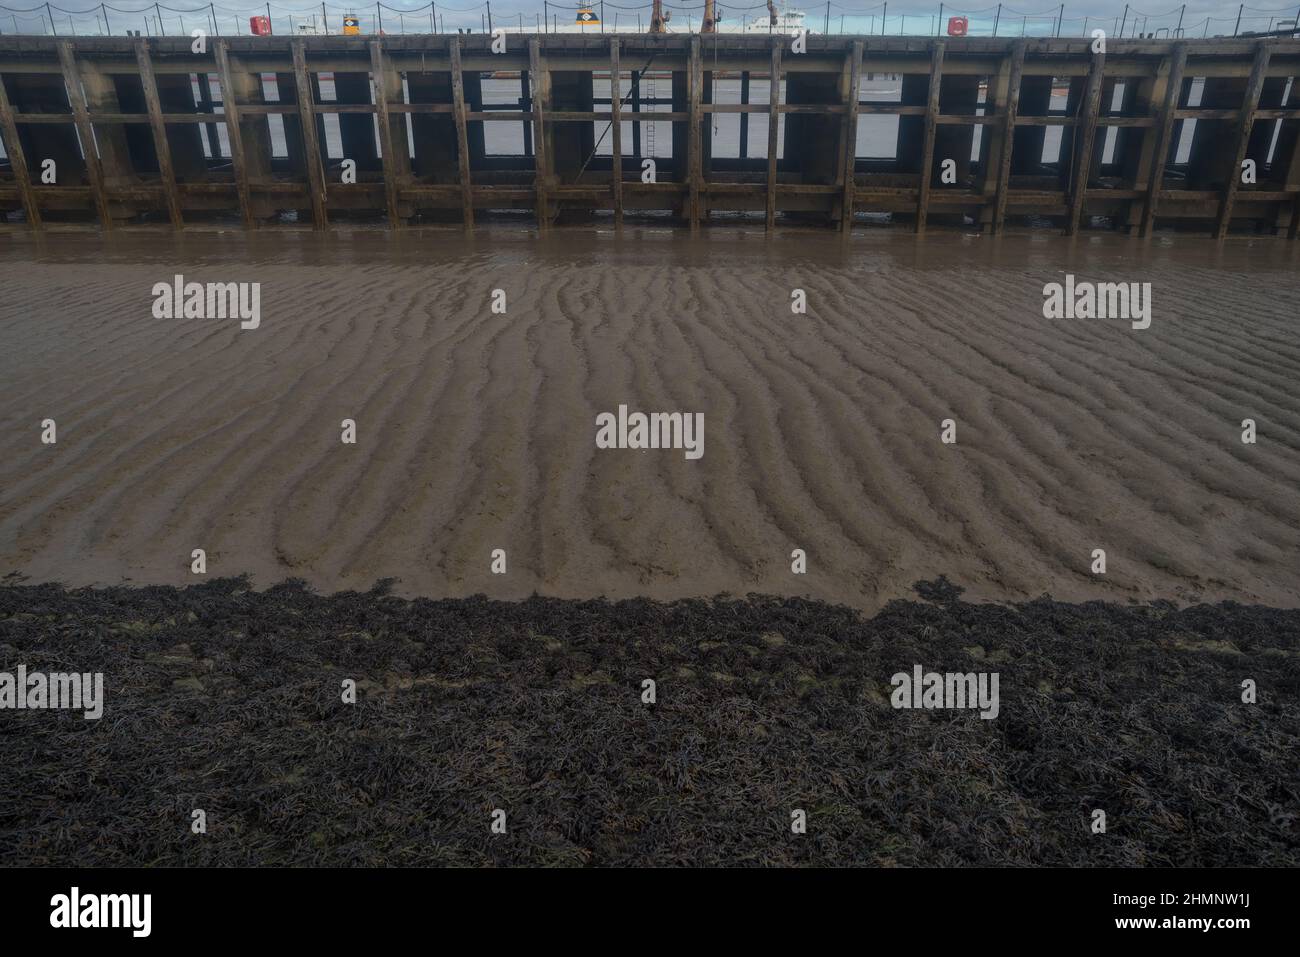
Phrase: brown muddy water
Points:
(476, 430)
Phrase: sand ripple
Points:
(822, 431)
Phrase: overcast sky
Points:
(466, 13)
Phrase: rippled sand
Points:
(476, 431)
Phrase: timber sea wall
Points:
(269, 132)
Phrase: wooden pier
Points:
(236, 134)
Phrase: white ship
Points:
(780, 20)
(788, 21)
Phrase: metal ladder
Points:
(649, 95)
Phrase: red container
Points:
(957, 26)
(259, 26)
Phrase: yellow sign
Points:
(351, 25)
(586, 16)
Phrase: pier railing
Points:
(855, 17)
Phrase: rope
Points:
(610, 124)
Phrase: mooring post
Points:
(616, 117)
(230, 108)
(94, 171)
(1173, 94)
(694, 140)
(462, 134)
(850, 151)
(744, 117)
(255, 129)
(773, 122)
(1135, 149)
(999, 85)
(18, 161)
(206, 105)
(636, 109)
(1087, 135)
(931, 128)
(541, 99)
(310, 144)
(1009, 109)
(380, 73)
(1245, 121)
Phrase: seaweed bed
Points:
(228, 699)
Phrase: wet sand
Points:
(822, 432)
